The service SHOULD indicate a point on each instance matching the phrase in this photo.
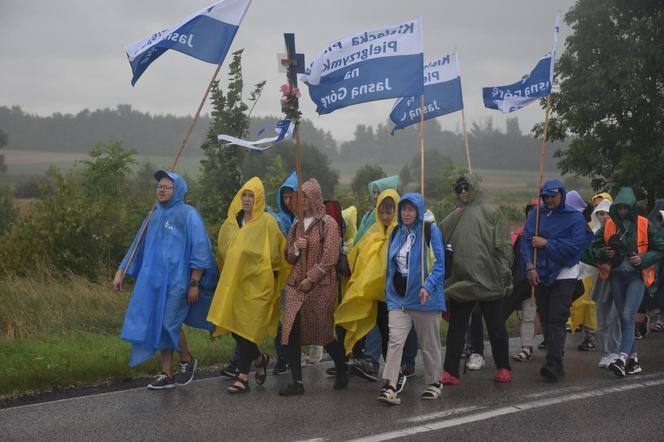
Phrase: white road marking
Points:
(525, 406)
(446, 413)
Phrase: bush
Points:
(84, 222)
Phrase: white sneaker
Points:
(475, 362)
(606, 360)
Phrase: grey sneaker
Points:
(163, 382)
(187, 371)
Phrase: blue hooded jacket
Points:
(433, 282)
(285, 216)
(175, 242)
(566, 232)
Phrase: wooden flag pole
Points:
(465, 139)
(539, 187)
(422, 176)
(144, 227)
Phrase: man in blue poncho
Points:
(175, 272)
(563, 235)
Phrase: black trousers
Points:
(492, 311)
(382, 320)
(249, 352)
(294, 351)
(553, 304)
(475, 334)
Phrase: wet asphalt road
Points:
(590, 404)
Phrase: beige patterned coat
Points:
(317, 306)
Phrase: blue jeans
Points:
(627, 290)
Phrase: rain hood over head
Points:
(604, 195)
(603, 206)
(253, 271)
(574, 200)
(285, 216)
(368, 261)
(474, 190)
(369, 218)
(175, 242)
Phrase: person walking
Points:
(480, 276)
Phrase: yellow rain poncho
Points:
(368, 262)
(253, 271)
(350, 218)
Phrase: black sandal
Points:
(239, 388)
(260, 378)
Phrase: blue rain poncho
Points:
(285, 216)
(175, 243)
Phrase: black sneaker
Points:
(401, 382)
(552, 373)
(163, 382)
(230, 371)
(187, 371)
(332, 371)
(542, 345)
(633, 366)
(407, 371)
(294, 389)
(587, 345)
(364, 369)
(281, 367)
(618, 368)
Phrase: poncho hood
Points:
(474, 191)
(180, 187)
(382, 184)
(603, 206)
(314, 194)
(625, 197)
(255, 185)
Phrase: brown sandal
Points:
(239, 386)
(265, 360)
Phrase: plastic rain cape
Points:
(247, 298)
(368, 261)
(175, 242)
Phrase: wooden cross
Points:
(294, 62)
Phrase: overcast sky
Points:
(67, 55)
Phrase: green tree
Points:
(611, 97)
(221, 167)
(83, 222)
(8, 210)
(3, 143)
(275, 176)
(365, 175)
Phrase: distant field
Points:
(22, 163)
(500, 186)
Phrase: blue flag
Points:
(531, 86)
(442, 93)
(206, 35)
(373, 65)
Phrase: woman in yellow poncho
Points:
(363, 304)
(253, 269)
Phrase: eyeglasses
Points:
(461, 189)
(164, 187)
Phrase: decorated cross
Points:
(293, 62)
